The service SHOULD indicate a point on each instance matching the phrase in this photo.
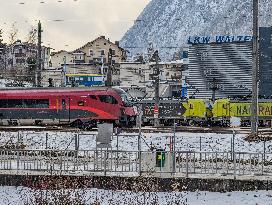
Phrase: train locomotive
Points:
(185, 112)
(82, 107)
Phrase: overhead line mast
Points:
(255, 65)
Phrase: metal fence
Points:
(133, 163)
(129, 142)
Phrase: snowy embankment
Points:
(22, 196)
(206, 142)
(12, 83)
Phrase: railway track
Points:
(265, 132)
(37, 129)
(219, 130)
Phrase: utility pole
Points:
(64, 71)
(39, 56)
(254, 106)
(109, 71)
(157, 89)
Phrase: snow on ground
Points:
(21, 196)
(5, 82)
(209, 142)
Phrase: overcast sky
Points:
(83, 20)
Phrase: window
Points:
(63, 103)
(113, 52)
(108, 99)
(102, 52)
(93, 97)
(80, 103)
(91, 52)
(24, 103)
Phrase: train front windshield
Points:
(124, 96)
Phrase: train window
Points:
(108, 99)
(93, 97)
(80, 103)
(24, 103)
(16, 103)
(3, 103)
(42, 103)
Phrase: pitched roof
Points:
(58, 52)
(100, 37)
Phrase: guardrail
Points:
(112, 162)
(224, 163)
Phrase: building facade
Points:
(21, 55)
(59, 58)
(139, 78)
(224, 68)
(265, 58)
(98, 52)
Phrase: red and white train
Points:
(81, 107)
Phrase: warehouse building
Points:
(223, 68)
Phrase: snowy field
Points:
(22, 196)
(208, 142)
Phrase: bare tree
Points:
(1, 36)
(32, 36)
(13, 34)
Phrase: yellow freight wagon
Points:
(224, 109)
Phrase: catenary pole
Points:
(157, 88)
(39, 56)
(254, 107)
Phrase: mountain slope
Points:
(169, 23)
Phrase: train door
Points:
(65, 111)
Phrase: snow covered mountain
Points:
(167, 24)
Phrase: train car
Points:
(84, 80)
(187, 112)
(74, 106)
(224, 109)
